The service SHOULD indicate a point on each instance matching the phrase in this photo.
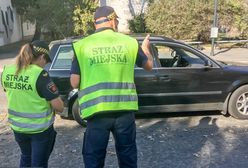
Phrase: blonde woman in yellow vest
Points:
(32, 99)
(103, 70)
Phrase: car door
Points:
(188, 80)
(146, 82)
(59, 69)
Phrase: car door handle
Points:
(164, 78)
(153, 79)
(147, 79)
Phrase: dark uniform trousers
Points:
(36, 148)
(122, 125)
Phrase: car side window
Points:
(193, 60)
(172, 56)
(153, 56)
(165, 54)
(63, 57)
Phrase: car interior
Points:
(175, 57)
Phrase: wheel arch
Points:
(235, 85)
(73, 95)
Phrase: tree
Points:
(234, 15)
(53, 17)
(181, 19)
(22, 6)
(83, 20)
(192, 19)
(137, 24)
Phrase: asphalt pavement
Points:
(236, 56)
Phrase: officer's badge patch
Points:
(52, 88)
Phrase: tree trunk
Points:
(37, 33)
(21, 18)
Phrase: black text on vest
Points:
(108, 55)
(17, 82)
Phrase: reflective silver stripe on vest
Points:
(30, 115)
(106, 85)
(101, 99)
(32, 126)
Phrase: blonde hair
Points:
(24, 58)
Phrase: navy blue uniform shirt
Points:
(46, 88)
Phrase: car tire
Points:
(238, 103)
(76, 114)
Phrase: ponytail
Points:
(24, 58)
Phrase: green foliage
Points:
(56, 17)
(234, 15)
(181, 19)
(242, 25)
(228, 11)
(83, 20)
(192, 19)
(22, 6)
(137, 24)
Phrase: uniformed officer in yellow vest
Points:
(32, 99)
(103, 70)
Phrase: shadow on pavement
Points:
(183, 142)
(225, 50)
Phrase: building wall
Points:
(125, 9)
(28, 29)
(10, 24)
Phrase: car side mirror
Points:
(173, 53)
(208, 64)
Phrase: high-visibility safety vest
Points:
(106, 60)
(27, 111)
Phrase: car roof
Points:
(139, 37)
(67, 40)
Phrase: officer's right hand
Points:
(146, 49)
(146, 44)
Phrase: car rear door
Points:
(59, 69)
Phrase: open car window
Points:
(173, 56)
(63, 58)
(155, 60)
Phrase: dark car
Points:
(183, 79)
